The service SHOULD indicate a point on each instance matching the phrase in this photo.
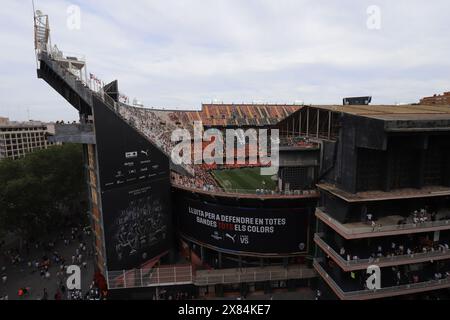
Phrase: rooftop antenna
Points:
(34, 22)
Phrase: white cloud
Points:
(181, 53)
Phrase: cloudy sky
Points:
(181, 53)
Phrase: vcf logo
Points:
(373, 281)
(244, 239)
(74, 280)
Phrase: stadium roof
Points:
(393, 112)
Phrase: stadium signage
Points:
(268, 230)
(234, 223)
(258, 147)
(135, 193)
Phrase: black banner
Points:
(125, 157)
(135, 184)
(137, 224)
(268, 231)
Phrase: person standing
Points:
(45, 295)
(63, 290)
(58, 296)
(318, 295)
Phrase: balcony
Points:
(383, 292)
(368, 196)
(362, 264)
(386, 226)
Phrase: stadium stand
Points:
(442, 99)
(152, 125)
(234, 115)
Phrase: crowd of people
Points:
(420, 217)
(160, 130)
(159, 126)
(46, 262)
(213, 167)
(63, 123)
(395, 249)
(147, 122)
(93, 294)
(296, 142)
(173, 294)
(394, 276)
(202, 180)
(154, 127)
(404, 276)
(416, 218)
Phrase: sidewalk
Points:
(23, 276)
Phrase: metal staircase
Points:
(41, 32)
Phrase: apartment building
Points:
(20, 138)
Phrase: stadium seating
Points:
(158, 126)
(226, 115)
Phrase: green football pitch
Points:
(244, 179)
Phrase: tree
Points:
(42, 192)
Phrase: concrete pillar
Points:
(307, 122)
(202, 254)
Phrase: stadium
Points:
(357, 185)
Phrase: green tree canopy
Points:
(42, 192)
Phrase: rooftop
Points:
(392, 112)
(15, 124)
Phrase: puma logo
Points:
(231, 237)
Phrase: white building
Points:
(19, 138)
